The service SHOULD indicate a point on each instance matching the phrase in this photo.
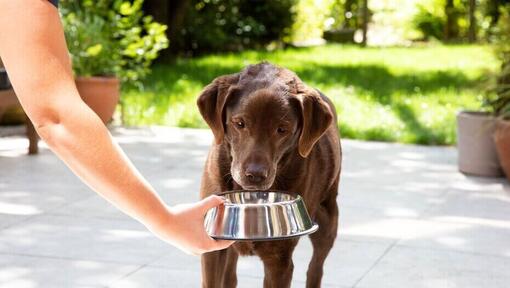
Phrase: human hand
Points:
(183, 227)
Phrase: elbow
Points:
(47, 122)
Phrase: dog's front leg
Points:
(278, 265)
(212, 268)
(324, 239)
(219, 269)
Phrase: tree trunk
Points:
(158, 9)
(365, 22)
(177, 13)
(451, 21)
(493, 10)
(172, 13)
(472, 21)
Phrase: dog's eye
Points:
(240, 124)
(281, 130)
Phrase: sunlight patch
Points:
(18, 209)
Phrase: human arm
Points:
(33, 49)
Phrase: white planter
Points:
(475, 144)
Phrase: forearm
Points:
(82, 141)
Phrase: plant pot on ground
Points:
(476, 149)
(502, 139)
(502, 102)
(111, 43)
(480, 133)
(502, 108)
(101, 94)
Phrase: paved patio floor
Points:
(408, 219)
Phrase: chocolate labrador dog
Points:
(272, 132)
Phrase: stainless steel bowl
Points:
(259, 215)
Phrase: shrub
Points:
(431, 19)
(111, 38)
(431, 25)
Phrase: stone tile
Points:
(161, 278)
(182, 187)
(28, 271)
(426, 268)
(29, 172)
(392, 229)
(7, 220)
(346, 263)
(148, 277)
(472, 199)
(175, 259)
(396, 164)
(23, 202)
(357, 223)
(490, 237)
(388, 202)
(395, 180)
(82, 238)
(33, 185)
(474, 235)
(389, 193)
(476, 209)
(93, 206)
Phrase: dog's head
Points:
(263, 113)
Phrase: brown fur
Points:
(288, 141)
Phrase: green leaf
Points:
(94, 50)
(125, 9)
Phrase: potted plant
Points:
(482, 137)
(502, 133)
(501, 103)
(111, 43)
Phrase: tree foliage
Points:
(450, 19)
(230, 25)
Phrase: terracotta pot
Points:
(101, 94)
(502, 139)
(13, 115)
(475, 144)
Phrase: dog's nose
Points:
(256, 173)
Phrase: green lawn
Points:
(407, 95)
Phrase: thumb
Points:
(210, 202)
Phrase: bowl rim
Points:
(296, 197)
(312, 230)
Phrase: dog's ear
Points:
(211, 103)
(316, 118)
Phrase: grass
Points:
(408, 95)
